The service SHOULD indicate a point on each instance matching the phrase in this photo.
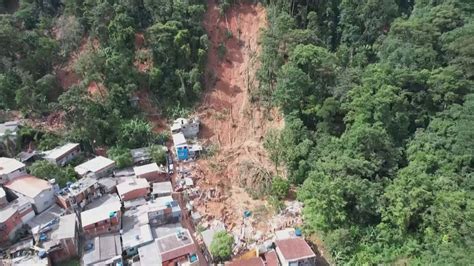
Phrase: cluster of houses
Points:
(106, 217)
(115, 216)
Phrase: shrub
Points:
(221, 246)
(280, 187)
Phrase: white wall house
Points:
(63, 154)
(38, 191)
(10, 168)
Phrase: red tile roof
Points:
(271, 258)
(247, 262)
(294, 249)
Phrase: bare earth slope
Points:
(228, 119)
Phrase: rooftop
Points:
(61, 151)
(134, 231)
(12, 207)
(134, 203)
(100, 213)
(11, 127)
(2, 192)
(93, 165)
(162, 187)
(78, 187)
(294, 248)
(130, 185)
(108, 182)
(166, 229)
(105, 199)
(160, 204)
(149, 255)
(271, 258)
(179, 139)
(8, 165)
(65, 229)
(285, 233)
(104, 247)
(175, 245)
(43, 219)
(28, 185)
(257, 261)
(147, 168)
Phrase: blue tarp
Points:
(183, 153)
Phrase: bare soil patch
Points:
(228, 119)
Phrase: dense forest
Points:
(379, 110)
(377, 97)
(42, 36)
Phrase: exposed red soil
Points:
(97, 89)
(228, 119)
(65, 74)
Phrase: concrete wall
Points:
(68, 249)
(44, 200)
(135, 194)
(7, 177)
(61, 161)
(154, 177)
(9, 227)
(105, 172)
(103, 227)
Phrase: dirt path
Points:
(228, 119)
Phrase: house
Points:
(136, 232)
(81, 193)
(38, 191)
(28, 157)
(98, 167)
(3, 198)
(151, 172)
(295, 252)
(61, 242)
(103, 250)
(181, 146)
(174, 249)
(142, 155)
(13, 216)
(102, 219)
(189, 128)
(271, 258)
(133, 189)
(45, 219)
(256, 261)
(108, 184)
(63, 154)
(10, 129)
(162, 189)
(10, 168)
(161, 211)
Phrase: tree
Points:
(121, 156)
(134, 134)
(221, 246)
(280, 187)
(273, 147)
(158, 154)
(47, 170)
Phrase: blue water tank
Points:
(298, 232)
